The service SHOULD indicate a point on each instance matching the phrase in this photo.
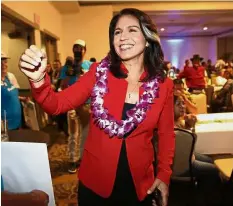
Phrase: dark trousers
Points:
(62, 123)
(204, 165)
(87, 197)
(208, 178)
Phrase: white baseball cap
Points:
(4, 55)
(80, 42)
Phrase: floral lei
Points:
(135, 116)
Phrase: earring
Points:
(147, 44)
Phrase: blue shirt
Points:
(2, 184)
(11, 104)
(85, 67)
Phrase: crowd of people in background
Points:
(198, 75)
(195, 78)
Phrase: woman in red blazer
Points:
(130, 98)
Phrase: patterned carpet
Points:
(65, 184)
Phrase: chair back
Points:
(209, 94)
(184, 147)
(200, 100)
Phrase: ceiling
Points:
(183, 22)
(176, 23)
(191, 23)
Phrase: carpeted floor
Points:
(64, 184)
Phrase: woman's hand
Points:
(190, 120)
(162, 187)
(33, 63)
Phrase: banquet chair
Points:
(182, 164)
(209, 90)
(213, 79)
(27, 135)
(200, 101)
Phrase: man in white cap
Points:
(76, 120)
(80, 66)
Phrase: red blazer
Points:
(100, 158)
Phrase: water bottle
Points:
(4, 129)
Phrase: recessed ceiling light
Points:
(205, 28)
(162, 29)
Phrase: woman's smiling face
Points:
(129, 41)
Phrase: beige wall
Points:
(50, 18)
(177, 50)
(164, 6)
(90, 24)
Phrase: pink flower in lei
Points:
(135, 116)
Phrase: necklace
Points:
(135, 116)
(129, 93)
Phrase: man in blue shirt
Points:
(10, 103)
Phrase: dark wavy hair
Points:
(153, 55)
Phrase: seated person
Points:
(220, 79)
(229, 69)
(179, 90)
(222, 98)
(203, 166)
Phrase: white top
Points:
(13, 80)
(220, 81)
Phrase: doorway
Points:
(16, 37)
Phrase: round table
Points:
(26, 135)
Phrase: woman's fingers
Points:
(27, 59)
(155, 185)
(164, 194)
(35, 56)
(36, 51)
(26, 65)
(33, 63)
(162, 187)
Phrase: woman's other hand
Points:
(163, 188)
(33, 63)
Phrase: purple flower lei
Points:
(136, 115)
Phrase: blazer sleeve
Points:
(59, 102)
(166, 137)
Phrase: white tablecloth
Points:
(214, 138)
(222, 117)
